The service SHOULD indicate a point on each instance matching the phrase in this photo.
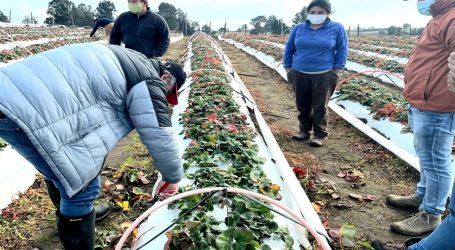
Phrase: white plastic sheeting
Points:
(17, 175)
(399, 144)
(276, 169)
(397, 59)
(387, 78)
(11, 45)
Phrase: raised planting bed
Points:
(21, 52)
(224, 149)
(386, 132)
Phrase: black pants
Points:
(312, 94)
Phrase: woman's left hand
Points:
(337, 71)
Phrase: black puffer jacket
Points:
(148, 33)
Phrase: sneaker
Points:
(316, 142)
(301, 136)
(421, 223)
(406, 202)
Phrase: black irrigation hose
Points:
(180, 218)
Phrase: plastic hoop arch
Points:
(321, 241)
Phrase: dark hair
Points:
(177, 71)
(325, 4)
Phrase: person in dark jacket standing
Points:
(431, 117)
(70, 109)
(315, 54)
(142, 30)
(105, 23)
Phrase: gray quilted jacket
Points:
(76, 102)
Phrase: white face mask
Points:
(317, 19)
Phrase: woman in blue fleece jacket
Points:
(315, 54)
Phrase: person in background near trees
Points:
(105, 23)
(432, 119)
(70, 108)
(315, 54)
(142, 30)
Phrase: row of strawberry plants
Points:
(39, 35)
(222, 152)
(404, 53)
(382, 101)
(250, 41)
(14, 30)
(387, 42)
(376, 62)
(20, 52)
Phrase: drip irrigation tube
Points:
(321, 240)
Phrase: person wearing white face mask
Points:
(432, 119)
(315, 54)
(142, 30)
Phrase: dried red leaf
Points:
(300, 173)
(213, 117)
(232, 128)
(368, 198)
(341, 174)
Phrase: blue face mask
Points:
(424, 7)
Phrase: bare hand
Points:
(337, 71)
(166, 189)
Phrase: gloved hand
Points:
(451, 76)
(166, 189)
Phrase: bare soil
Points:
(345, 149)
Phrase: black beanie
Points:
(325, 4)
(177, 71)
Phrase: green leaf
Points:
(366, 245)
(237, 238)
(348, 231)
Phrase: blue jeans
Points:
(433, 138)
(76, 206)
(441, 238)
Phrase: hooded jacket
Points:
(426, 86)
(76, 102)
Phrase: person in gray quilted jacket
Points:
(66, 108)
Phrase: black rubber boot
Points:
(77, 233)
(101, 211)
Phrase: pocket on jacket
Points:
(82, 135)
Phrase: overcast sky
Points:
(377, 13)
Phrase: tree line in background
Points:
(273, 25)
(65, 12)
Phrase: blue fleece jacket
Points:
(318, 50)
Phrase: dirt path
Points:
(345, 149)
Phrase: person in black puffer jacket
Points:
(142, 30)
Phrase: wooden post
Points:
(31, 17)
(349, 30)
(9, 16)
(358, 29)
(224, 33)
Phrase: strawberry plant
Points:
(222, 153)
